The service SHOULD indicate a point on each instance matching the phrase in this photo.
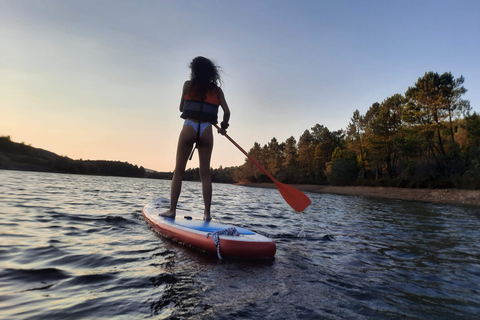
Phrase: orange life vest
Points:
(202, 110)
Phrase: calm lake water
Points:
(77, 247)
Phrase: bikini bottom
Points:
(203, 125)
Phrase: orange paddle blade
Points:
(298, 200)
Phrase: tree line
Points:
(427, 137)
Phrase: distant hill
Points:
(19, 156)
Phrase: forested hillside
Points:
(19, 156)
(427, 137)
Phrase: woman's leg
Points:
(205, 154)
(185, 144)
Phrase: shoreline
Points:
(440, 196)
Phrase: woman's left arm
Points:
(185, 90)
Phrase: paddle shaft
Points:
(248, 156)
(295, 198)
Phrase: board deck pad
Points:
(202, 225)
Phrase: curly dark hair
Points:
(205, 76)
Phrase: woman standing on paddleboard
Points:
(201, 97)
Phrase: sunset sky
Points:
(102, 79)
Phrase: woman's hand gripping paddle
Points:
(295, 198)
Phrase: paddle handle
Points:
(248, 156)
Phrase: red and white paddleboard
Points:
(190, 229)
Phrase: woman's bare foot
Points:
(207, 217)
(168, 214)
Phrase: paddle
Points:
(295, 198)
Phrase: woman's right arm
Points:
(226, 111)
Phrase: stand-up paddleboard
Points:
(190, 229)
